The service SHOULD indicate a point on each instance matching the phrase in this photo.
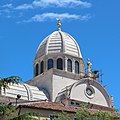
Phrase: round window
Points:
(89, 92)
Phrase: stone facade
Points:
(59, 73)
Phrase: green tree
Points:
(4, 82)
(83, 114)
(85, 105)
(8, 112)
(28, 116)
(62, 116)
(102, 115)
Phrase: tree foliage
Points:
(4, 82)
(8, 112)
(83, 114)
(100, 115)
(62, 116)
(27, 116)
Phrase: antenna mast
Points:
(100, 78)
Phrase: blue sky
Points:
(95, 24)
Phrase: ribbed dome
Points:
(58, 42)
(26, 91)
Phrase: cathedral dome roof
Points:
(26, 91)
(58, 42)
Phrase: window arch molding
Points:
(76, 67)
(59, 62)
(69, 65)
(36, 69)
(50, 63)
(41, 66)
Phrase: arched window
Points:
(42, 67)
(36, 69)
(60, 64)
(50, 64)
(76, 67)
(69, 65)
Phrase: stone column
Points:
(39, 68)
(65, 65)
(55, 63)
(45, 65)
(80, 70)
(73, 66)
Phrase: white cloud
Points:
(24, 7)
(8, 5)
(51, 16)
(6, 10)
(54, 3)
(45, 16)
(10, 10)
(61, 3)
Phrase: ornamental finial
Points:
(59, 24)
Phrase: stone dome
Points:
(26, 91)
(58, 42)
